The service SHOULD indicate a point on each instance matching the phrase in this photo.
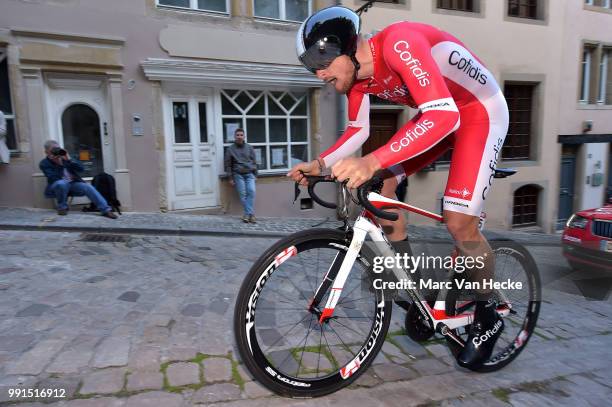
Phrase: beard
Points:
(343, 87)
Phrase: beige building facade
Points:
(151, 91)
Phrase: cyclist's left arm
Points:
(409, 54)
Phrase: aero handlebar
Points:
(314, 180)
(373, 185)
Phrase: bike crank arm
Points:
(449, 334)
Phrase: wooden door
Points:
(383, 125)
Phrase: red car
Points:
(587, 239)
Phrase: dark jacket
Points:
(55, 172)
(240, 159)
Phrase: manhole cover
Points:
(98, 237)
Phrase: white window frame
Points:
(193, 6)
(267, 143)
(603, 76)
(605, 4)
(10, 117)
(475, 8)
(587, 53)
(282, 10)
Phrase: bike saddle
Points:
(504, 172)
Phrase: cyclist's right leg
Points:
(396, 230)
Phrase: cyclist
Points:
(460, 105)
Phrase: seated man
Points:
(63, 179)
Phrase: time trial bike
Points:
(309, 319)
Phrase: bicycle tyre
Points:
(246, 339)
(500, 359)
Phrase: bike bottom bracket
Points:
(416, 326)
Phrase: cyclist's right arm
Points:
(354, 136)
(357, 131)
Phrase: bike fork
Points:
(359, 235)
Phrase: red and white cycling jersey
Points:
(460, 105)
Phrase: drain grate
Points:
(98, 237)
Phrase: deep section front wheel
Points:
(277, 317)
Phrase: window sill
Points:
(508, 163)
(593, 106)
(442, 166)
(261, 175)
(387, 107)
(525, 20)
(597, 9)
(277, 21)
(17, 156)
(401, 5)
(458, 13)
(211, 13)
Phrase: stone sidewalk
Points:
(148, 322)
(220, 225)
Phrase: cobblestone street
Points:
(147, 321)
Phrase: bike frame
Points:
(366, 225)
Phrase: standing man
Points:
(63, 178)
(460, 105)
(241, 166)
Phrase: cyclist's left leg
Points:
(477, 148)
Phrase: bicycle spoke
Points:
(319, 357)
(312, 289)
(348, 327)
(342, 302)
(303, 348)
(318, 266)
(329, 348)
(289, 300)
(352, 291)
(343, 344)
(285, 334)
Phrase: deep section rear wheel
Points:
(278, 333)
(512, 262)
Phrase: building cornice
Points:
(60, 36)
(228, 73)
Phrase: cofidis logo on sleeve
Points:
(401, 48)
(412, 134)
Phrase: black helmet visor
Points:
(320, 55)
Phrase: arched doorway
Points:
(81, 134)
(525, 208)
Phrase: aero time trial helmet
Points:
(327, 34)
